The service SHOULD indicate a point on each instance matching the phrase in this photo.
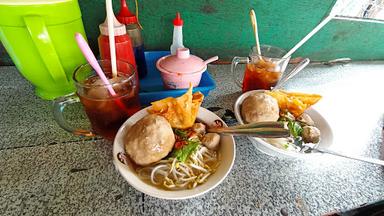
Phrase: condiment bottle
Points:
(177, 34)
(134, 31)
(123, 43)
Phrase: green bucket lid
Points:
(54, 12)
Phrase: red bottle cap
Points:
(178, 21)
(125, 16)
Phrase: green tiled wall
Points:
(222, 27)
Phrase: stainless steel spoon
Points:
(253, 132)
(260, 129)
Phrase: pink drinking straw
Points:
(88, 54)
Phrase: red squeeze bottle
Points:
(123, 43)
(131, 23)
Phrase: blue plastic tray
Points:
(152, 89)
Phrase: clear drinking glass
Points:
(262, 71)
(105, 112)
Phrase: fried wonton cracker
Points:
(181, 112)
(294, 102)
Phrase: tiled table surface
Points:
(46, 171)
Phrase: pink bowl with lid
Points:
(177, 71)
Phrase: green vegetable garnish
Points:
(295, 128)
(181, 133)
(183, 153)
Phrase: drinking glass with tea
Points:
(261, 71)
(105, 112)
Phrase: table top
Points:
(47, 171)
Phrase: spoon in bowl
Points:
(259, 129)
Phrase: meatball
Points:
(149, 140)
(306, 119)
(211, 140)
(311, 134)
(199, 128)
(260, 107)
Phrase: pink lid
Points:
(183, 62)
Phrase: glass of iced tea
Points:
(106, 113)
(261, 71)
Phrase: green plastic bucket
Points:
(39, 37)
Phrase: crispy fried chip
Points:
(181, 112)
(296, 103)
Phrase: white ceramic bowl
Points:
(326, 136)
(227, 153)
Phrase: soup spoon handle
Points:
(359, 158)
(254, 132)
(269, 124)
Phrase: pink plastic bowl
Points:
(181, 80)
(178, 71)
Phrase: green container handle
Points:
(40, 37)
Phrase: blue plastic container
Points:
(152, 89)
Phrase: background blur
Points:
(222, 27)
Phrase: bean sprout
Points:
(176, 175)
